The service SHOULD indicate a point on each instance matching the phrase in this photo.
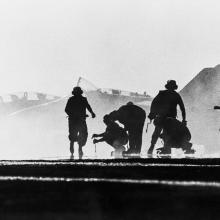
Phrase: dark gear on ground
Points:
(175, 135)
(165, 105)
(133, 118)
(76, 110)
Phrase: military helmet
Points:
(171, 84)
(77, 91)
(107, 118)
(130, 103)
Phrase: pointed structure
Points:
(204, 89)
(200, 95)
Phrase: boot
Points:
(80, 151)
(189, 151)
(165, 150)
(188, 148)
(129, 151)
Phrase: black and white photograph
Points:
(109, 109)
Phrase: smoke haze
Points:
(41, 130)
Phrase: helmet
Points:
(171, 84)
(130, 103)
(106, 118)
(77, 91)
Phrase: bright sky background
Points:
(45, 45)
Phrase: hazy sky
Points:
(45, 45)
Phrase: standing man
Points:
(76, 111)
(133, 118)
(165, 105)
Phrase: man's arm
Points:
(98, 135)
(182, 108)
(154, 107)
(67, 108)
(102, 139)
(98, 140)
(90, 109)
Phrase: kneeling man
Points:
(114, 135)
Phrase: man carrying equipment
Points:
(165, 105)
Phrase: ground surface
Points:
(110, 189)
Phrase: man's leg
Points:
(138, 137)
(167, 145)
(83, 135)
(72, 134)
(155, 136)
(71, 147)
(131, 139)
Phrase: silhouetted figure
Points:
(114, 135)
(175, 135)
(133, 118)
(165, 105)
(76, 110)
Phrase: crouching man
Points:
(175, 134)
(114, 135)
(133, 118)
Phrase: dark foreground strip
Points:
(103, 164)
(23, 197)
(113, 180)
(121, 162)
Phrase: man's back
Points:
(115, 130)
(76, 107)
(131, 114)
(165, 103)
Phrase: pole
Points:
(148, 126)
